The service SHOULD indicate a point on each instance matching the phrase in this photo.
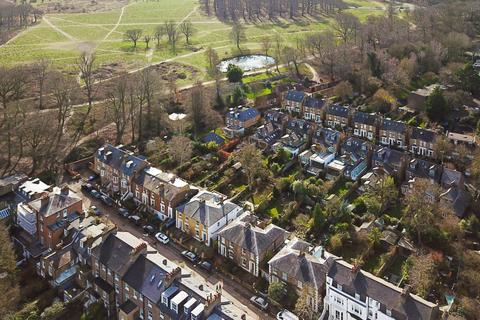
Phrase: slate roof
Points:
(450, 177)
(395, 126)
(252, 238)
(120, 159)
(213, 137)
(424, 135)
(296, 96)
(365, 118)
(338, 110)
(356, 147)
(128, 306)
(292, 140)
(424, 169)
(327, 137)
(299, 126)
(165, 184)
(208, 208)
(56, 201)
(311, 102)
(114, 253)
(243, 114)
(388, 158)
(296, 260)
(268, 133)
(146, 278)
(403, 307)
(275, 115)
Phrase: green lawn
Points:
(61, 37)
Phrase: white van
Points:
(286, 315)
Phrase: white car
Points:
(161, 237)
(260, 302)
(286, 315)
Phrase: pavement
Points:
(232, 291)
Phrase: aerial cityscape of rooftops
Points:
(239, 159)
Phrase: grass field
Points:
(61, 37)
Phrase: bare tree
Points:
(277, 48)
(147, 84)
(238, 35)
(159, 33)
(212, 61)
(86, 67)
(180, 149)
(40, 73)
(172, 34)
(133, 35)
(292, 56)
(252, 164)
(117, 107)
(147, 38)
(9, 285)
(266, 43)
(197, 108)
(188, 30)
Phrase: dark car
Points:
(136, 219)
(190, 256)
(124, 212)
(149, 229)
(170, 223)
(95, 194)
(87, 187)
(207, 265)
(107, 200)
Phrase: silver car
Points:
(260, 302)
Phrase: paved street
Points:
(231, 290)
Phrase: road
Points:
(232, 291)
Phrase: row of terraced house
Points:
(248, 242)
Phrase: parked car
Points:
(149, 229)
(162, 237)
(107, 200)
(124, 212)
(87, 187)
(95, 194)
(190, 256)
(93, 177)
(95, 211)
(259, 302)
(207, 265)
(286, 315)
(170, 223)
(136, 219)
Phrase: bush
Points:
(234, 73)
(277, 291)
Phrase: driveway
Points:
(232, 291)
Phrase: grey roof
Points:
(450, 177)
(326, 136)
(208, 208)
(120, 159)
(395, 126)
(311, 102)
(275, 115)
(253, 238)
(13, 179)
(55, 201)
(298, 263)
(365, 118)
(423, 169)
(114, 253)
(146, 278)
(294, 95)
(424, 135)
(338, 110)
(299, 126)
(356, 147)
(167, 185)
(403, 306)
(128, 306)
(269, 133)
(388, 158)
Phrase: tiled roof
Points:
(338, 110)
(424, 169)
(120, 159)
(252, 238)
(296, 260)
(403, 306)
(296, 96)
(424, 135)
(365, 118)
(275, 116)
(315, 103)
(56, 201)
(243, 114)
(208, 208)
(395, 126)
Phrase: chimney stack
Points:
(138, 249)
(213, 300)
(65, 190)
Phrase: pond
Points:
(247, 63)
